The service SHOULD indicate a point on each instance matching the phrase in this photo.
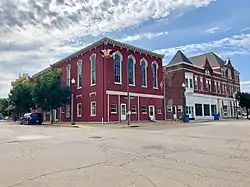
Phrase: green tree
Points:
(3, 104)
(244, 101)
(21, 96)
(49, 92)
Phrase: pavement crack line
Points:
(55, 172)
(145, 177)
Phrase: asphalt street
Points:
(208, 154)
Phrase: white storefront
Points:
(201, 106)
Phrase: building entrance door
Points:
(123, 112)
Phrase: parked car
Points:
(32, 119)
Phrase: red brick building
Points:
(210, 86)
(102, 83)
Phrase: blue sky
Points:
(34, 34)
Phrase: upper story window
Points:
(219, 87)
(208, 85)
(207, 72)
(155, 74)
(131, 70)
(223, 73)
(79, 74)
(144, 65)
(118, 67)
(189, 80)
(201, 84)
(196, 83)
(215, 87)
(68, 74)
(93, 69)
(229, 74)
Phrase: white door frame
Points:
(174, 111)
(151, 117)
(123, 116)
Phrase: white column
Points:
(119, 108)
(108, 107)
(138, 107)
(210, 110)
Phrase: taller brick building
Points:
(210, 84)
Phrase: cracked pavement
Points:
(195, 155)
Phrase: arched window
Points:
(131, 70)
(155, 74)
(79, 74)
(68, 74)
(118, 67)
(144, 65)
(93, 69)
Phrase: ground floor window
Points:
(62, 110)
(93, 108)
(133, 109)
(79, 109)
(144, 109)
(198, 109)
(67, 111)
(179, 108)
(206, 110)
(159, 109)
(113, 108)
(213, 109)
(169, 108)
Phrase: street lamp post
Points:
(184, 99)
(236, 104)
(72, 101)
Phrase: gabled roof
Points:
(179, 57)
(213, 59)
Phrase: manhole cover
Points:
(157, 147)
(95, 137)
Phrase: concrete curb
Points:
(63, 125)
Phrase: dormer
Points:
(207, 68)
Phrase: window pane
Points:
(131, 71)
(117, 68)
(206, 110)
(143, 73)
(198, 109)
(154, 71)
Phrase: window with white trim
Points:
(196, 86)
(79, 74)
(219, 87)
(144, 109)
(180, 108)
(131, 70)
(169, 108)
(113, 108)
(79, 109)
(93, 108)
(118, 67)
(215, 87)
(144, 65)
(159, 110)
(93, 69)
(201, 84)
(67, 111)
(229, 74)
(155, 74)
(68, 74)
(133, 109)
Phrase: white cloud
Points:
(226, 47)
(149, 36)
(212, 30)
(245, 86)
(34, 34)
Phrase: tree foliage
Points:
(244, 100)
(49, 93)
(21, 96)
(3, 104)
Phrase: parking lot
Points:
(207, 154)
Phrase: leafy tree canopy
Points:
(244, 99)
(3, 104)
(21, 96)
(49, 92)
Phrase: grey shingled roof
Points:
(179, 57)
(213, 59)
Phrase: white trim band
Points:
(110, 92)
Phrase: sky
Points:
(37, 33)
